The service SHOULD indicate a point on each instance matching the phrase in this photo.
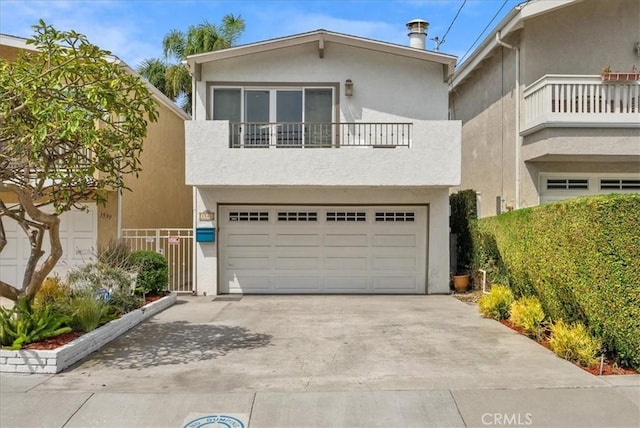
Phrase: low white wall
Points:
(433, 159)
(56, 360)
(438, 223)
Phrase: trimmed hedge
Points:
(581, 258)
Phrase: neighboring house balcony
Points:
(421, 153)
(581, 118)
(568, 101)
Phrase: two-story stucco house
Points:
(159, 198)
(322, 162)
(540, 123)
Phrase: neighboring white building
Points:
(323, 161)
(540, 123)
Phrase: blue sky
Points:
(133, 29)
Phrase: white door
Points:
(313, 249)
(78, 235)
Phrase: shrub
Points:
(574, 343)
(89, 312)
(116, 254)
(94, 276)
(25, 323)
(463, 213)
(580, 259)
(54, 292)
(496, 304)
(152, 271)
(527, 313)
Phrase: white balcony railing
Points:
(318, 135)
(580, 101)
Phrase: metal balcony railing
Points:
(318, 135)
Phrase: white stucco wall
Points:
(433, 159)
(208, 198)
(387, 87)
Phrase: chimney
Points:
(417, 33)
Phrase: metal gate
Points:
(177, 247)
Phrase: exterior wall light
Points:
(348, 88)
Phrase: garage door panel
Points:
(297, 283)
(295, 263)
(395, 284)
(78, 231)
(345, 240)
(394, 263)
(346, 284)
(241, 282)
(248, 240)
(297, 240)
(388, 240)
(302, 249)
(259, 263)
(346, 263)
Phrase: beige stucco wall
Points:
(485, 103)
(578, 39)
(582, 39)
(8, 53)
(159, 197)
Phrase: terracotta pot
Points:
(461, 283)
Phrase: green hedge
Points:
(581, 258)
(152, 269)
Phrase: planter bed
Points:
(56, 360)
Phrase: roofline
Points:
(322, 36)
(21, 43)
(513, 21)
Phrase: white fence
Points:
(175, 244)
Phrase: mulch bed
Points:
(63, 339)
(610, 366)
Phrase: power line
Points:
(480, 35)
(451, 25)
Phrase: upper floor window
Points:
(282, 116)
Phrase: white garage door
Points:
(78, 232)
(311, 249)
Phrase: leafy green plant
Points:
(496, 304)
(89, 312)
(152, 271)
(527, 313)
(580, 259)
(574, 343)
(25, 323)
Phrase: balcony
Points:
(565, 101)
(318, 135)
(422, 153)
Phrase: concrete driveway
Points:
(321, 343)
(274, 360)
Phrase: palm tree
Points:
(169, 74)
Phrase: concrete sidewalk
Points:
(316, 361)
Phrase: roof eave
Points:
(322, 36)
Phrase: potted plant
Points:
(463, 214)
(606, 74)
